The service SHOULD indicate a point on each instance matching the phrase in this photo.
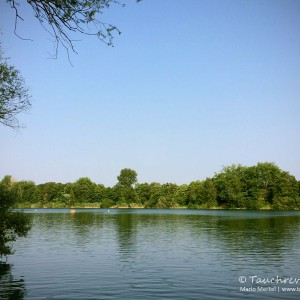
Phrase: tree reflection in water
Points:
(125, 224)
(10, 288)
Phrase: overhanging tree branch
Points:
(14, 97)
(63, 18)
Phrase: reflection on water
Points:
(270, 237)
(10, 288)
(125, 225)
(133, 254)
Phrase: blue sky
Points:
(189, 87)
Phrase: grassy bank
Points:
(124, 206)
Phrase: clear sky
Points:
(190, 86)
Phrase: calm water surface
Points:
(155, 254)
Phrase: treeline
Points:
(264, 186)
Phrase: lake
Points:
(156, 254)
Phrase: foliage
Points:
(262, 186)
(143, 191)
(107, 203)
(256, 186)
(230, 186)
(202, 194)
(84, 190)
(124, 188)
(14, 97)
(127, 178)
(62, 18)
(12, 224)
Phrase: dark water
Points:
(155, 254)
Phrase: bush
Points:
(12, 224)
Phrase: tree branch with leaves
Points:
(62, 18)
(14, 96)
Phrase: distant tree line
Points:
(264, 186)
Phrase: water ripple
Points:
(154, 255)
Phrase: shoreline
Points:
(142, 207)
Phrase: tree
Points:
(209, 193)
(143, 192)
(202, 194)
(26, 191)
(124, 187)
(127, 178)
(154, 193)
(14, 97)
(255, 187)
(274, 186)
(62, 18)
(12, 224)
(168, 195)
(69, 196)
(231, 187)
(50, 193)
(85, 190)
(194, 189)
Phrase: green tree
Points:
(276, 186)
(254, 195)
(99, 193)
(110, 196)
(256, 186)
(85, 190)
(69, 196)
(209, 193)
(230, 186)
(202, 194)
(182, 195)
(26, 191)
(124, 188)
(50, 192)
(143, 191)
(168, 195)
(155, 188)
(14, 97)
(194, 189)
(12, 224)
(129, 196)
(127, 178)
(107, 203)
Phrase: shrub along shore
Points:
(263, 186)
